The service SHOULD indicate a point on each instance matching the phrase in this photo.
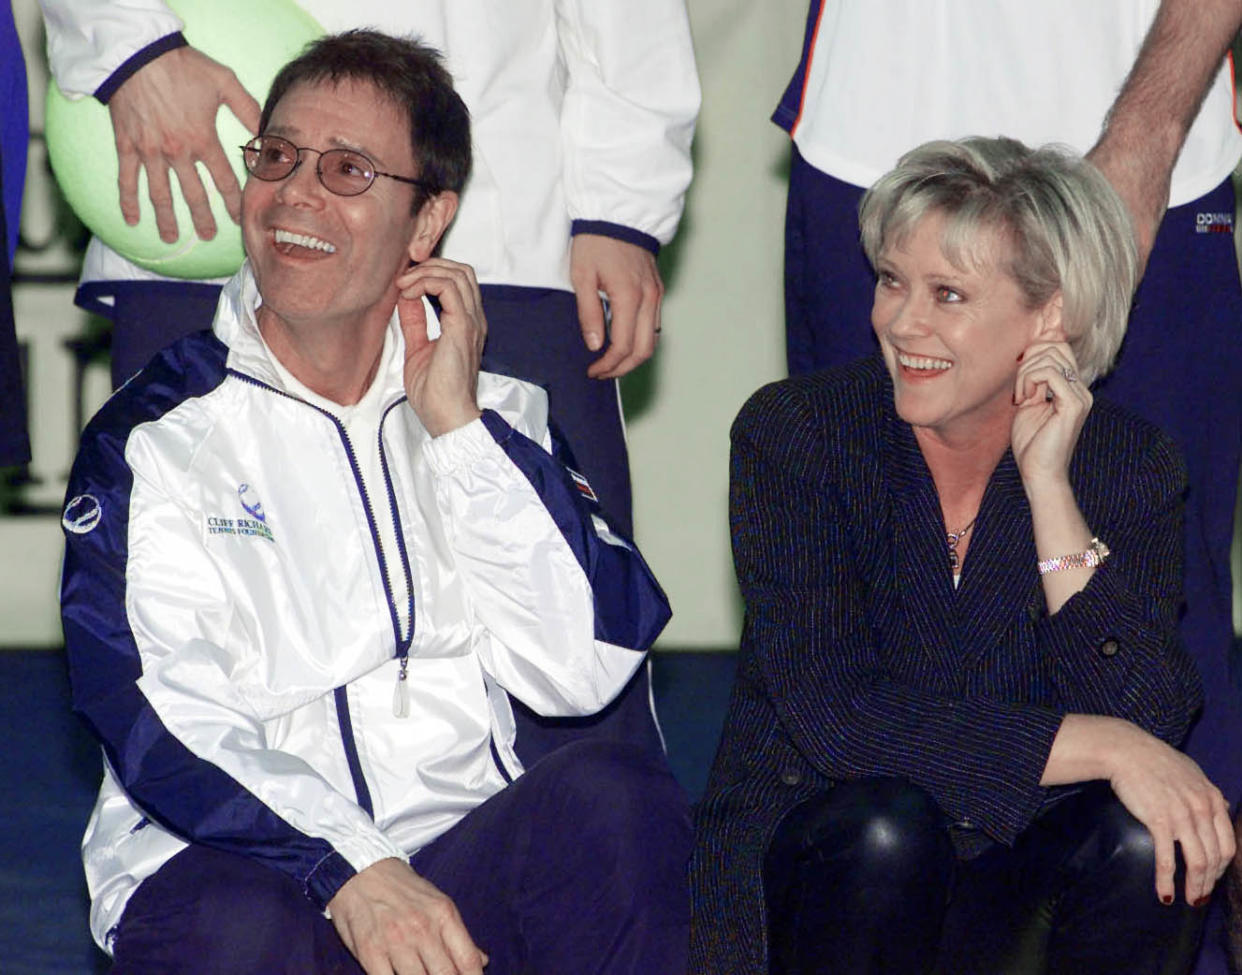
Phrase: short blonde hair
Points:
(1068, 230)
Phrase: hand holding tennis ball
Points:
(169, 137)
(164, 117)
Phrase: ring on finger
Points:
(1069, 374)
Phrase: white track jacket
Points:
(234, 640)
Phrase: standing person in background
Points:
(14, 133)
(582, 115)
(1051, 72)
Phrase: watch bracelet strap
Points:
(1097, 554)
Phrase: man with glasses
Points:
(308, 554)
(582, 117)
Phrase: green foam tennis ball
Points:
(255, 38)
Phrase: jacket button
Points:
(1109, 648)
(1034, 612)
(791, 776)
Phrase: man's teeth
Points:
(304, 240)
(922, 362)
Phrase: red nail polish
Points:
(1166, 899)
(1203, 901)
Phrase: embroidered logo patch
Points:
(254, 526)
(583, 486)
(249, 499)
(82, 514)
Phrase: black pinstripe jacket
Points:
(860, 658)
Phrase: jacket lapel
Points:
(924, 583)
(998, 578)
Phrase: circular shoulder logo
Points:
(249, 499)
(82, 514)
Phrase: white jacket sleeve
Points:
(567, 607)
(160, 671)
(88, 40)
(631, 101)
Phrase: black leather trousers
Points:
(863, 879)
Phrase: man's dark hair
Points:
(413, 76)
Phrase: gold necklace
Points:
(952, 538)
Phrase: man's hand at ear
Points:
(442, 375)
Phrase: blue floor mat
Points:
(51, 769)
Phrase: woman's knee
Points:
(849, 870)
(1102, 839)
(1108, 917)
(877, 827)
(1127, 844)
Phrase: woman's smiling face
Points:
(952, 336)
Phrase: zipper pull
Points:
(401, 694)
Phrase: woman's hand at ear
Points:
(1053, 404)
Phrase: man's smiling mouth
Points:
(303, 240)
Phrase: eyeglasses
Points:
(341, 171)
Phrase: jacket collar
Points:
(523, 405)
(236, 325)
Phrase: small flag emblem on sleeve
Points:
(583, 486)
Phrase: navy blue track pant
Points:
(578, 866)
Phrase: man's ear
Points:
(430, 223)
(1050, 327)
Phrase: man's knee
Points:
(210, 912)
(618, 785)
(615, 806)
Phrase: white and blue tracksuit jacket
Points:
(232, 634)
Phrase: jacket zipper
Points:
(403, 641)
(401, 693)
